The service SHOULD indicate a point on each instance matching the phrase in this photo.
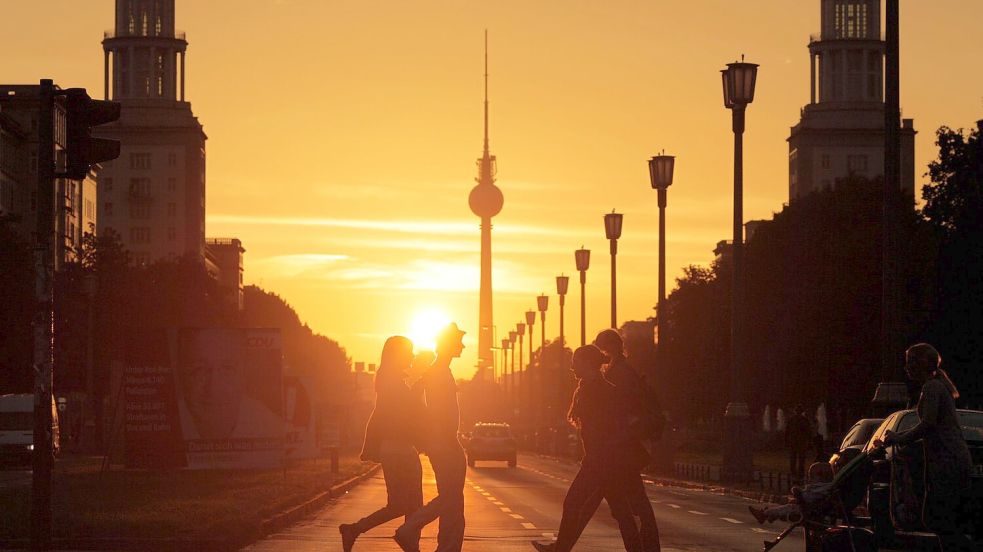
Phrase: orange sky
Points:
(343, 134)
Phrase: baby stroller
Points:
(827, 510)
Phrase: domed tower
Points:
(486, 201)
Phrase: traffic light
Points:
(83, 113)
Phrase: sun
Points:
(425, 326)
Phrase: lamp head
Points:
(542, 302)
(612, 225)
(530, 319)
(562, 283)
(661, 169)
(739, 80)
(582, 257)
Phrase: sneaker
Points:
(406, 544)
(348, 535)
(758, 512)
(544, 547)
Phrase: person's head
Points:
(610, 343)
(921, 362)
(397, 355)
(211, 379)
(587, 361)
(450, 342)
(421, 362)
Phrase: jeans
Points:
(450, 469)
(584, 496)
(404, 491)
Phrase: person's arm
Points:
(928, 413)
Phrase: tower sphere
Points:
(486, 200)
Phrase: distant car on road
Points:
(854, 442)
(491, 441)
(17, 427)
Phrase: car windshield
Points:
(971, 423)
(491, 432)
(16, 421)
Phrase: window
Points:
(140, 234)
(827, 163)
(139, 160)
(171, 209)
(140, 211)
(856, 163)
(171, 184)
(171, 159)
(107, 184)
(107, 209)
(171, 233)
(140, 187)
(90, 209)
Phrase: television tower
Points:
(486, 201)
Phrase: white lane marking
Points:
(550, 536)
(497, 503)
(732, 520)
(699, 513)
(763, 531)
(493, 499)
(517, 516)
(528, 525)
(483, 493)
(506, 510)
(672, 505)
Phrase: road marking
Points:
(550, 536)
(672, 505)
(699, 513)
(497, 503)
(732, 520)
(528, 525)
(763, 531)
(493, 499)
(506, 510)
(517, 516)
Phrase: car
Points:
(17, 428)
(854, 442)
(883, 491)
(491, 441)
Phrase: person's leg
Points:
(617, 488)
(944, 516)
(450, 472)
(642, 507)
(582, 499)
(408, 534)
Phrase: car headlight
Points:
(30, 447)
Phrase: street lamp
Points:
(520, 330)
(542, 303)
(661, 169)
(512, 337)
(739, 80)
(505, 358)
(612, 229)
(562, 283)
(530, 322)
(582, 257)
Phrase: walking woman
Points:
(391, 436)
(947, 459)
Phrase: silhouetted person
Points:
(948, 463)
(798, 439)
(631, 387)
(606, 470)
(391, 436)
(446, 455)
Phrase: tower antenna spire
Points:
(486, 92)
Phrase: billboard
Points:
(205, 398)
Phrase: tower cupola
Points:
(849, 52)
(144, 55)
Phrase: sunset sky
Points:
(343, 137)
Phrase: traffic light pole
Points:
(43, 457)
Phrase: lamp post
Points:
(530, 322)
(505, 358)
(542, 303)
(562, 284)
(612, 229)
(512, 336)
(661, 169)
(582, 257)
(738, 81)
(520, 330)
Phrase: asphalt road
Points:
(506, 508)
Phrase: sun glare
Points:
(425, 326)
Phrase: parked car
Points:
(17, 427)
(881, 497)
(491, 441)
(854, 442)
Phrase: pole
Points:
(530, 398)
(890, 351)
(512, 382)
(43, 458)
(559, 365)
(737, 456)
(614, 284)
(518, 392)
(663, 193)
(583, 308)
(544, 404)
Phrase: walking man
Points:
(798, 438)
(606, 468)
(446, 454)
(632, 390)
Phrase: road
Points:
(506, 508)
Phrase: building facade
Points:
(153, 196)
(75, 200)
(841, 131)
(223, 259)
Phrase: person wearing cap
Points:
(630, 387)
(600, 414)
(446, 455)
